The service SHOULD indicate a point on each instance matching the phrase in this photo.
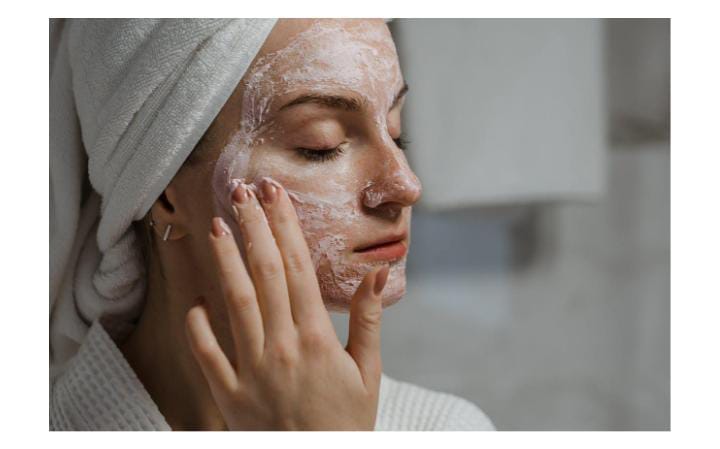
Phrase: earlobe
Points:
(165, 221)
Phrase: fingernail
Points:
(381, 279)
(240, 194)
(269, 192)
(219, 227)
(234, 183)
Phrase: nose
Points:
(394, 185)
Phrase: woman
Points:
(296, 200)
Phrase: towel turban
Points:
(129, 100)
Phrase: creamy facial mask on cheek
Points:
(324, 58)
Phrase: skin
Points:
(259, 352)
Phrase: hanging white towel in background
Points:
(504, 111)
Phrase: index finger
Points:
(265, 265)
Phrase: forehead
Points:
(346, 52)
(321, 56)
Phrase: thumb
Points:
(365, 316)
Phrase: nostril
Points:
(387, 211)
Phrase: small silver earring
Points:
(167, 232)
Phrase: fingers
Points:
(215, 366)
(364, 333)
(303, 289)
(266, 265)
(238, 291)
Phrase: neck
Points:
(159, 353)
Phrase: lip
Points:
(387, 248)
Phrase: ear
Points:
(169, 222)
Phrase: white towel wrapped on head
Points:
(129, 100)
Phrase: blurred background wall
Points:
(543, 294)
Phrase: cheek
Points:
(331, 225)
(327, 219)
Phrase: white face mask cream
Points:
(355, 58)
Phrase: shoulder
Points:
(98, 390)
(404, 406)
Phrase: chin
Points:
(339, 282)
(339, 299)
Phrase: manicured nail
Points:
(240, 194)
(381, 279)
(233, 184)
(219, 227)
(269, 192)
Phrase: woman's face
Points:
(319, 111)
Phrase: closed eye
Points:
(321, 154)
(329, 154)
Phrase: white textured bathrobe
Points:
(100, 391)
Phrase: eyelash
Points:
(328, 154)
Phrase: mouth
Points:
(387, 248)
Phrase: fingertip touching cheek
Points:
(321, 117)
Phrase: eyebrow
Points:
(352, 104)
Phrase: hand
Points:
(292, 372)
